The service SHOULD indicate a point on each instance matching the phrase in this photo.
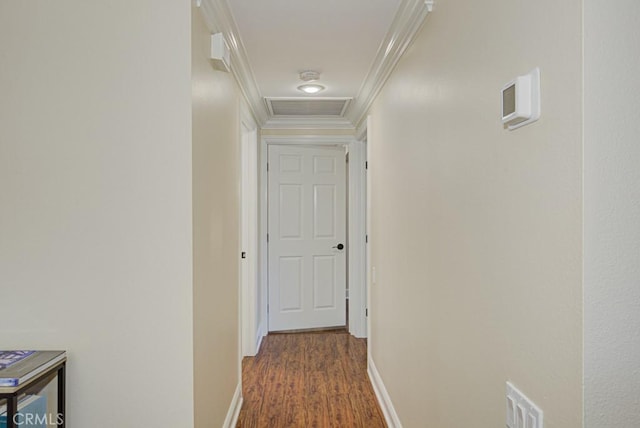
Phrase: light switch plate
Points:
(521, 411)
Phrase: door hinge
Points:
(267, 166)
(366, 165)
(243, 254)
(366, 239)
(347, 158)
(366, 312)
(267, 237)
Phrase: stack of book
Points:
(18, 367)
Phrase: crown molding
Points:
(405, 26)
(328, 140)
(219, 18)
(307, 123)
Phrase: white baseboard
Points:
(234, 409)
(390, 415)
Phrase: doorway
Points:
(355, 247)
(307, 237)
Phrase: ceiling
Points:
(338, 38)
(353, 44)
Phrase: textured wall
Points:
(476, 230)
(216, 222)
(95, 196)
(612, 215)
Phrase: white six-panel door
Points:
(307, 222)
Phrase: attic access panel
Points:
(307, 107)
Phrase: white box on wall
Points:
(220, 54)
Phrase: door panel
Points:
(324, 282)
(307, 220)
(291, 284)
(291, 200)
(324, 211)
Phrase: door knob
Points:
(339, 246)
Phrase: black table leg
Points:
(61, 395)
(12, 410)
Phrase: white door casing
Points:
(307, 222)
(250, 292)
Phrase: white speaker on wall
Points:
(220, 54)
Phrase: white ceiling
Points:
(338, 38)
(354, 44)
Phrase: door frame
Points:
(356, 264)
(250, 335)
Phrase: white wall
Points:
(612, 215)
(476, 230)
(216, 223)
(95, 195)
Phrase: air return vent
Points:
(307, 107)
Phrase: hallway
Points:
(494, 257)
(309, 380)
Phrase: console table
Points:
(11, 394)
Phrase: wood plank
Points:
(310, 379)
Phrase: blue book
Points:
(8, 358)
(27, 368)
(32, 412)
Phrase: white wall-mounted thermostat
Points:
(521, 100)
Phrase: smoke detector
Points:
(309, 76)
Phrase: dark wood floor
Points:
(309, 380)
